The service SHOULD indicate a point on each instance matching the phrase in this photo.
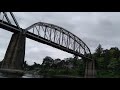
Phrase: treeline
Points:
(68, 66)
(107, 62)
(49, 66)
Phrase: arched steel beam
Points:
(60, 29)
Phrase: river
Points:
(24, 76)
(38, 76)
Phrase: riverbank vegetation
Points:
(107, 64)
(50, 67)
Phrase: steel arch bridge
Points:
(59, 38)
(49, 34)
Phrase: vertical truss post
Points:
(59, 37)
(45, 32)
(50, 34)
(74, 44)
(54, 35)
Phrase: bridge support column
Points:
(90, 69)
(14, 57)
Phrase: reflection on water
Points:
(35, 76)
(31, 76)
(27, 76)
(24, 76)
(2, 76)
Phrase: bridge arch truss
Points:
(60, 36)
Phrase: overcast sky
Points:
(92, 27)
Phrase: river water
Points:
(35, 76)
(24, 76)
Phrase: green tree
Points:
(98, 51)
(100, 63)
(106, 55)
(47, 62)
(113, 64)
(114, 52)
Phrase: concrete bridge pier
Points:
(14, 57)
(90, 69)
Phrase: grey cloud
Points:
(4, 41)
(37, 51)
(93, 28)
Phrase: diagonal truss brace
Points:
(5, 15)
